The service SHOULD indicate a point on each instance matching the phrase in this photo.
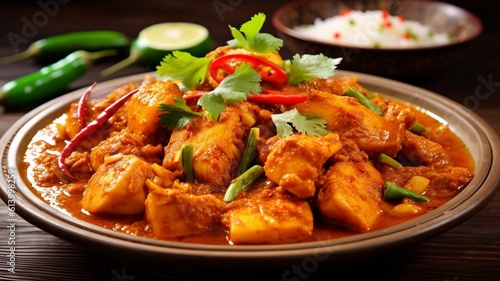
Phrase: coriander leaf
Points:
(182, 65)
(239, 39)
(306, 67)
(252, 27)
(236, 87)
(213, 104)
(178, 115)
(253, 40)
(266, 43)
(309, 124)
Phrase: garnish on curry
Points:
(243, 147)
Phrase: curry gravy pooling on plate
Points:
(243, 147)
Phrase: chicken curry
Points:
(244, 147)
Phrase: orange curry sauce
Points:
(66, 197)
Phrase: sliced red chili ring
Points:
(269, 71)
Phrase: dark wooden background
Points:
(470, 251)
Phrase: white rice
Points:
(372, 29)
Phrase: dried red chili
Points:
(100, 120)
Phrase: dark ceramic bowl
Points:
(268, 262)
(397, 63)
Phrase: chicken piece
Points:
(268, 217)
(346, 116)
(217, 147)
(336, 85)
(163, 178)
(172, 212)
(296, 162)
(142, 108)
(419, 150)
(118, 186)
(351, 194)
(123, 142)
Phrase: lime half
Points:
(156, 41)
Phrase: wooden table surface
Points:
(470, 251)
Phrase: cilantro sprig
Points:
(309, 124)
(237, 86)
(185, 67)
(249, 37)
(306, 67)
(177, 115)
(234, 88)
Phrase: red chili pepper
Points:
(336, 35)
(82, 106)
(267, 96)
(269, 71)
(100, 120)
(194, 96)
(272, 96)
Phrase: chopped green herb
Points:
(250, 38)
(352, 22)
(309, 124)
(306, 67)
(182, 65)
(177, 115)
(411, 35)
(236, 87)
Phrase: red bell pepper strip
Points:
(270, 72)
(93, 126)
(82, 106)
(267, 96)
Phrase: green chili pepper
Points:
(49, 81)
(388, 160)
(418, 128)
(250, 150)
(54, 48)
(352, 92)
(393, 191)
(187, 161)
(155, 42)
(243, 182)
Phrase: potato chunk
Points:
(142, 108)
(372, 133)
(296, 162)
(118, 186)
(268, 219)
(351, 194)
(174, 213)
